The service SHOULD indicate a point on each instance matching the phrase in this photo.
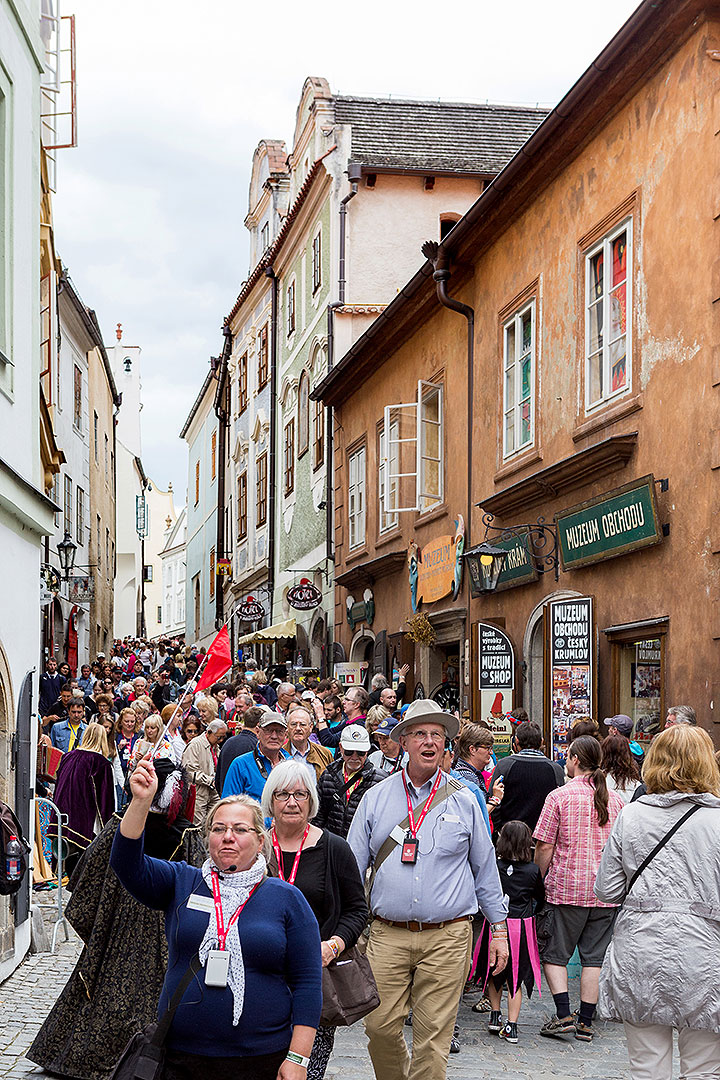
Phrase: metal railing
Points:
(60, 920)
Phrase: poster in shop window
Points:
(496, 681)
(572, 674)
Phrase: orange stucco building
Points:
(588, 274)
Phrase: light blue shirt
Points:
(245, 775)
(456, 870)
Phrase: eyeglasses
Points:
(237, 830)
(422, 736)
(298, 796)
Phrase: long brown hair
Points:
(618, 761)
(589, 754)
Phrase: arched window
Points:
(303, 413)
(447, 221)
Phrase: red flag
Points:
(217, 662)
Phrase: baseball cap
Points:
(272, 718)
(355, 737)
(386, 726)
(622, 722)
(308, 695)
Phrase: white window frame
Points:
(316, 249)
(424, 500)
(605, 244)
(387, 465)
(356, 498)
(515, 406)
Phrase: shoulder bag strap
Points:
(166, 1020)
(450, 787)
(658, 847)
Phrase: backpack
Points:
(10, 826)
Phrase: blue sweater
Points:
(245, 777)
(281, 952)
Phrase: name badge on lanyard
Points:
(217, 964)
(409, 852)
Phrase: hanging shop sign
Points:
(223, 568)
(251, 610)
(361, 610)
(305, 596)
(350, 674)
(612, 524)
(436, 570)
(572, 674)
(49, 584)
(141, 516)
(81, 590)
(519, 568)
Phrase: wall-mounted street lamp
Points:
(486, 561)
(66, 553)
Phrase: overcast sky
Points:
(174, 98)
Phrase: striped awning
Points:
(270, 633)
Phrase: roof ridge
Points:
(441, 102)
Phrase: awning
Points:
(270, 633)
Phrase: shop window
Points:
(356, 498)
(608, 316)
(518, 380)
(638, 666)
(303, 413)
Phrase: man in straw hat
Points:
(433, 866)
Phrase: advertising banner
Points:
(613, 524)
(572, 688)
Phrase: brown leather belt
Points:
(417, 926)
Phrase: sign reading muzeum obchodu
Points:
(572, 669)
(612, 524)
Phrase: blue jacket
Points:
(280, 942)
(245, 775)
(61, 734)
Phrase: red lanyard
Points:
(413, 830)
(222, 930)
(347, 779)
(278, 856)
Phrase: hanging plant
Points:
(421, 630)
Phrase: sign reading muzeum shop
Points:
(612, 524)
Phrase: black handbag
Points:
(349, 989)
(144, 1056)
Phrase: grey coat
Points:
(661, 965)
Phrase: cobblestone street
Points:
(26, 997)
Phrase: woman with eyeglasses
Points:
(319, 864)
(252, 1009)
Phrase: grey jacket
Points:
(661, 965)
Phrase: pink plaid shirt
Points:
(568, 820)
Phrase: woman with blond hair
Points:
(662, 862)
(84, 792)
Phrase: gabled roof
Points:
(198, 400)
(435, 136)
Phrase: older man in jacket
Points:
(200, 758)
(343, 784)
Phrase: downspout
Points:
(272, 482)
(354, 174)
(223, 414)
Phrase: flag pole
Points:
(177, 707)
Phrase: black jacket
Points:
(524, 887)
(336, 810)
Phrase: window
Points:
(447, 223)
(608, 317)
(317, 262)
(318, 434)
(159, 613)
(77, 398)
(242, 505)
(98, 553)
(265, 238)
(638, 655)
(388, 467)
(303, 413)
(261, 490)
(213, 455)
(291, 308)
(212, 573)
(107, 554)
(147, 572)
(289, 460)
(243, 384)
(518, 380)
(95, 436)
(67, 506)
(106, 458)
(57, 516)
(356, 498)
(113, 568)
(80, 516)
(431, 446)
(197, 482)
(196, 603)
(263, 366)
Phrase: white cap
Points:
(355, 737)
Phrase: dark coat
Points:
(336, 810)
(85, 791)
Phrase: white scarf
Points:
(234, 891)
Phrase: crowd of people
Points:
(256, 833)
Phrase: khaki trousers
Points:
(424, 970)
(650, 1049)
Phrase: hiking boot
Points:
(509, 1033)
(583, 1032)
(495, 1023)
(455, 1041)
(558, 1025)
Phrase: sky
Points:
(172, 100)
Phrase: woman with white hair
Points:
(319, 864)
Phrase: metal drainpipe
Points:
(272, 485)
(222, 414)
(354, 173)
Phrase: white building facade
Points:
(174, 576)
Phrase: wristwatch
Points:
(298, 1059)
(498, 927)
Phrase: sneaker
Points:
(455, 1041)
(583, 1032)
(509, 1033)
(495, 1023)
(557, 1025)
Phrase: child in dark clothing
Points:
(524, 887)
